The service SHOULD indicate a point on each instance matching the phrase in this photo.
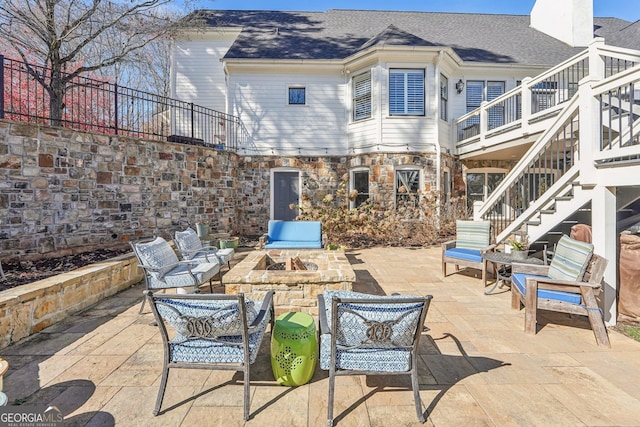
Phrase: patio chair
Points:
(190, 247)
(569, 284)
(472, 240)
(163, 269)
(210, 331)
(364, 334)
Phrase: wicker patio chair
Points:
(370, 335)
(191, 247)
(210, 331)
(163, 269)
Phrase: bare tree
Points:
(72, 37)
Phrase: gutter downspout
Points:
(437, 121)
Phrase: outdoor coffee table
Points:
(502, 266)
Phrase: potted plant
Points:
(519, 247)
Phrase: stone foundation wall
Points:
(30, 308)
(64, 191)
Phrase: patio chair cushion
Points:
(188, 242)
(365, 359)
(353, 328)
(187, 315)
(570, 259)
(472, 234)
(158, 254)
(519, 280)
(179, 276)
(466, 254)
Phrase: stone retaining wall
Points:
(64, 191)
(30, 308)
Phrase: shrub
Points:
(417, 220)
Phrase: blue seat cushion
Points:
(519, 280)
(292, 244)
(462, 253)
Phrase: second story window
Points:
(444, 96)
(406, 92)
(476, 94)
(362, 96)
(297, 96)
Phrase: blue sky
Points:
(624, 9)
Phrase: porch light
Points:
(460, 86)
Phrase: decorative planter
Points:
(519, 255)
(202, 229)
(229, 243)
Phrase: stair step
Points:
(533, 223)
(555, 233)
(570, 221)
(560, 198)
(547, 211)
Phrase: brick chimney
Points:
(570, 21)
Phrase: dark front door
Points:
(285, 192)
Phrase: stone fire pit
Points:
(296, 290)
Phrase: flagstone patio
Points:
(102, 367)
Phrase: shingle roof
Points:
(337, 34)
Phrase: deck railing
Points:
(619, 101)
(550, 166)
(106, 107)
(544, 92)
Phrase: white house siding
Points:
(363, 136)
(407, 133)
(260, 99)
(198, 75)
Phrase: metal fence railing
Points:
(105, 107)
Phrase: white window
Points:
(297, 96)
(359, 182)
(406, 92)
(476, 94)
(362, 96)
(444, 96)
(407, 186)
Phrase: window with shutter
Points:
(362, 96)
(475, 96)
(495, 114)
(406, 92)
